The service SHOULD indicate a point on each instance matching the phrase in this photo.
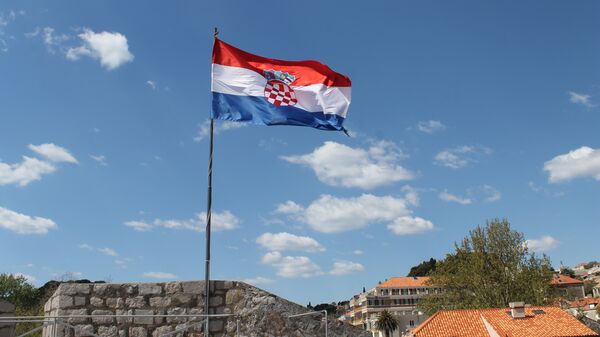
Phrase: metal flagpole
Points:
(208, 222)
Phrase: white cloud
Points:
(152, 84)
(85, 246)
(292, 266)
(330, 214)
(220, 222)
(139, 226)
(579, 163)
(100, 159)
(358, 252)
(444, 195)
(257, 280)
(545, 243)
(30, 279)
(430, 126)
(286, 241)
(108, 251)
(346, 267)
(289, 207)
(580, 99)
(25, 172)
(220, 126)
(490, 194)
(24, 224)
(408, 225)
(337, 164)
(460, 156)
(111, 48)
(159, 275)
(32, 169)
(53, 153)
(51, 40)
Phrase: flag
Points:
(260, 90)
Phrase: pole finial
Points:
(216, 34)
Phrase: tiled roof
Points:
(553, 322)
(564, 279)
(584, 303)
(401, 282)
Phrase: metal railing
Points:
(62, 320)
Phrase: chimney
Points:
(517, 309)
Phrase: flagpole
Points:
(208, 223)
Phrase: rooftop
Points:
(538, 321)
(405, 282)
(560, 279)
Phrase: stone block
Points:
(122, 333)
(219, 285)
(75, 312)
(115, 302)
(48, 305)
(172, 288)
(101, 319)
(108, 331)
(124, 320)
(143, 320)
(181, 299)
(100, 289)
(233, 296)
(193, 287)
(138, 332)
(160, 302)
(84, 330)
(136, 302)
(79, 301)
(176, 311)
(62, 301)
(149, 289)
(74, 289)
(216, 301)
(161, 330)
(215, 325)
(128, 289)
(97, 301)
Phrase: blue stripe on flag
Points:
(258, 111)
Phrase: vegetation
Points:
(491, 267)
(567, 271)
(386, 323)
(330, 307)
(423, 268)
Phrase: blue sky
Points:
(461, 112)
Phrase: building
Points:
(567, 287)
(588, 306)
(596, 291)
(516, 321)
(397, 295)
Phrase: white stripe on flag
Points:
(312, 98)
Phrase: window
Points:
(404, 291)
(395, 292)
(411, 323)
(413, 291)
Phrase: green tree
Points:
(16, 290)
(567, 271)
(423, 268)
(490, 268)
(386, 322)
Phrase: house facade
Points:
(397, 295)
(567, 288)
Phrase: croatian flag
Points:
(251, 88)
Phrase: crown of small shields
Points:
(279, 75)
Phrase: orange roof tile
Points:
(553, 322)
(401, 282)
(584, 303)
(564, 279)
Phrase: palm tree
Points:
(386, 323)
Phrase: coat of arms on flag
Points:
(277, 90)
(261, 90)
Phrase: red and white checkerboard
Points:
(279, 93)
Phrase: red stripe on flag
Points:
(306, 72)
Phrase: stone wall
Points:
(261, 314)
(7, 310)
